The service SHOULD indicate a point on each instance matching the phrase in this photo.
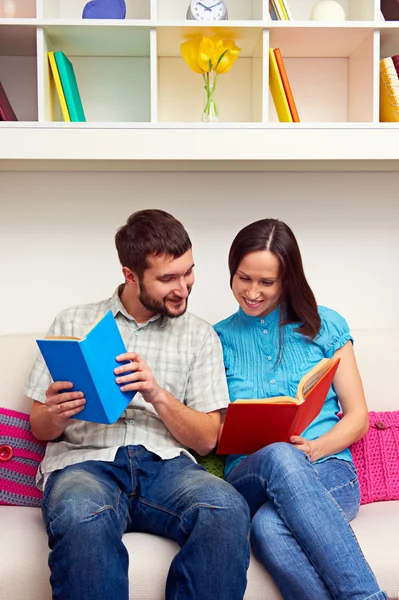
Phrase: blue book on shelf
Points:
(70, 87)
(89, 364)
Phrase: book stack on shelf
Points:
(279, 10)
(67, 87)
(280, 88)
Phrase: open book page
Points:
(76, 339)
(275, 400)
(311, 378)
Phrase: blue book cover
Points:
(70, 87)
(89, 364)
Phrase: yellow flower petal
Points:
(189, 51)
(228, 57)
(205, 54)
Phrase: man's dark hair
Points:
(150, 232)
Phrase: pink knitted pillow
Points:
(20, 455)
(376, 458)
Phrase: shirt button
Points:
(6, 453)
(272, 381)
(136, 332)
(269, 358)
(262, 321)
(132, 421)
(265, 331)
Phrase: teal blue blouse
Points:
(251, 347)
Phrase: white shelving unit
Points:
(143, 104)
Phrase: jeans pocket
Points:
(340, 479)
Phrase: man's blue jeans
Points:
(300, 529)
(87, 508)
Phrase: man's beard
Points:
(159, 306)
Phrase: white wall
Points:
(57, 229)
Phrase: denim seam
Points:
(343, 485)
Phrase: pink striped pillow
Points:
(20, 455)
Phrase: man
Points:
(137, 474)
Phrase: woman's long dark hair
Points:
(297, 302)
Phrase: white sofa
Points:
(23, 549)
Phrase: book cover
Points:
(395, 60)
(89, 364)
(70, 87)
(286, 9)
(278, 11)
(272, 12)
(58, 86)
(6, 110)
(286, 85)
(252, 424)
(390, 10)
(389, 91)
(277, 90)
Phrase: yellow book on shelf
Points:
(58, 86)
(284, 10)
(389, 91)
(277, 90)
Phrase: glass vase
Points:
(210, 114)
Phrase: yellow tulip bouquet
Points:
(211, 57)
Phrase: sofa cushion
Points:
(20, 455)
(376, 457)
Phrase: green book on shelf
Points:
(70, 87)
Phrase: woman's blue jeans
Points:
(87, 507)
(300, 529)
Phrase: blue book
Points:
(70, 87)
(89, 364)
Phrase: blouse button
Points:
(265, 331)
(269, 358)
(262, 321)
(272, 381)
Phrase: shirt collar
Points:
(117, 307)
(269, 320)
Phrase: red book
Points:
(286, 85)
(395, 60)
(252, 424)
(6, 111)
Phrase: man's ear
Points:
(130, 277)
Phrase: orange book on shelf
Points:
(252, 424)
(286, 85)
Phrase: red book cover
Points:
(395, 60)
(252, 424)
(6, 111)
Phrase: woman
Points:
(302, 494)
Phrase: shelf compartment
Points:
(331, 72)
(112, 68)
(18, 73)
(239, 10)
(181, 91)
(355, 10)
(73, 9)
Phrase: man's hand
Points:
(137, 376)
(64, 405)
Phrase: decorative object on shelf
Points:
(211, 57)
(105, 9)
(6, 111)
(9, 8)
(390, 10)
(207, 10)
(328, 10)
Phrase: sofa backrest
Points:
(377, 353)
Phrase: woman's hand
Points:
(302, 444)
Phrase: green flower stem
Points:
(211, 106)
